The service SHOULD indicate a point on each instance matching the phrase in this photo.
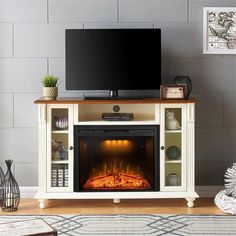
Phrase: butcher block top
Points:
(67, 100)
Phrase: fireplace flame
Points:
(117, 175)
(115, 167)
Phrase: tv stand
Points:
(56, 172)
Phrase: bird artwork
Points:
(62, 151)
(230, 181)
(58, 147)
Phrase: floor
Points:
(160, 206)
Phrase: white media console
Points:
(58, 118)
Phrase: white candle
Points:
(9, 200)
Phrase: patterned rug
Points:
(115, 225)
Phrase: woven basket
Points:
(50, 93)
(226, 203)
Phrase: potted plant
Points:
(50, 89)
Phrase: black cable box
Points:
(118, 116)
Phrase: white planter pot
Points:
(50, 93)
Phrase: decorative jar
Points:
(173, 179)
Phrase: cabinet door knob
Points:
(162, 147)
(71, 148)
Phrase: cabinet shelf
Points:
(134, 122)
(60, 131)
(60, 162)
(174, 162)
(177, 131)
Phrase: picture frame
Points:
(173, 91)
(219, 30)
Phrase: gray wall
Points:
(32, 45)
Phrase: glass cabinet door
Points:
(173, 158)
(60, 148)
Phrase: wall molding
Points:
(203, 191)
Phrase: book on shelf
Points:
(54, 177)
(59, 176)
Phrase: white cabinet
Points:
(59, 148)
(173, 146)
(56, 142)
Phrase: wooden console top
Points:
(61, 100)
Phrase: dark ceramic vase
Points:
(183, 79)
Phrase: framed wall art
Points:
(219, 30)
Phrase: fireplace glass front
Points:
(116, 158)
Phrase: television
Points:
(113, 59)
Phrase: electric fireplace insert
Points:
(116, 158)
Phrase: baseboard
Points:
(28, 191)
(203, 191)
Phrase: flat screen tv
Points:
(113, 59)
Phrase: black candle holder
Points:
(1, 182)
(9, 192)
(1, 176)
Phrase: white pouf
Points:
(225, 203)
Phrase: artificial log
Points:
(120, 181)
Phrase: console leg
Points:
(42, 203)
(116, 200)
(190, 201)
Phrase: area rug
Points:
(91, 225)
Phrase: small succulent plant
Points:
(50, 81)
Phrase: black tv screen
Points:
(113, 59)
